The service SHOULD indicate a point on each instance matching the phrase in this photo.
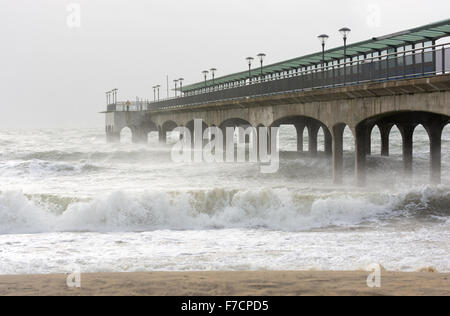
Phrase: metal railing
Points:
(415, 63)
(129, 106)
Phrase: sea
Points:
(68, 198)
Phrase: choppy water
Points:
(68, 197)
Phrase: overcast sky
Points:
(54, 73)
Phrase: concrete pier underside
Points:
(403, 103)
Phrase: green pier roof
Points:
(430, 32)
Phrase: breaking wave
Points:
(40, 168)
(273, 209)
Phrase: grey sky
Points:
(55, 76)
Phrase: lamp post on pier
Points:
(345, 31)
(158, 87)
(181, 86)
(114, 91)
(261, 59)
(205, 74)
(249, 60)
(176, 85)
(213, 74)
(323, 39)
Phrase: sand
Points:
(228, 284)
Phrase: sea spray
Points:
(67, 196)
(274, 209)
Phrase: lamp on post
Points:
(261, 59)
(157, 87)
(249, 60)
(114, 91)
(154, 93)
(345, 31)
(205, 74)
(323, 39)
(176, 85)
(107, 97)
(181, 86)
(213, 73)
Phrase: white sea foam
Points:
(66, 196)
(274, 209)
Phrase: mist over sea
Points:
(67, 197)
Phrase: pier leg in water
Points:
(385, 130)
(162, 136)
(360, 155)
(338, 153)
(112, 137)
(435, 134)
(407, 131)
(313, 130)
(300, 128)
(139, 136)
(264, 143)
(328, 142)
(369, 140)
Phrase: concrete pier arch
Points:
(407, 122)
(361, 108)
(246, 140)
(235, 122)
(164, 130)
(312, 125)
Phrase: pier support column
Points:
(313, 130)
(369, 141)
(435, 134)
(385, 130)
(270, 139)
(192, 131)
(247, 137)
(258, 147)
(328, 142)
(212, 136)
(112, 137)
(261, 136)
(204, 141)
(162, 136)
(226, 142)
(139, 136)
(338, 153)
(360, 155)
(300, 128)
(181, 135)
(407, 131)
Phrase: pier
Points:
(401, 80)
